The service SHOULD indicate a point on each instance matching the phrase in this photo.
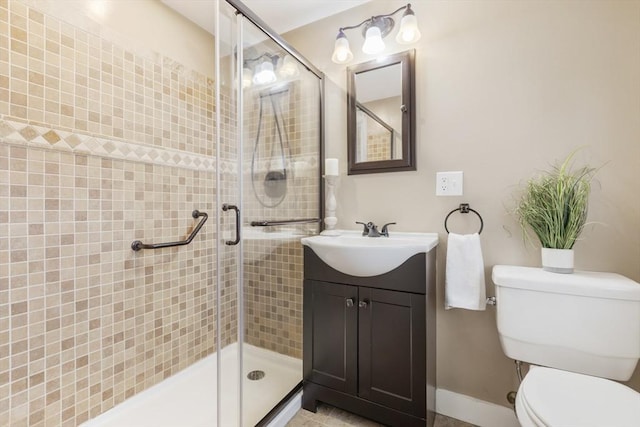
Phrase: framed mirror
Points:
(381, 115)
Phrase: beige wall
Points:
(504, 88)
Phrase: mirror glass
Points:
(380, 115)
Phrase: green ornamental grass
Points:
(554, 205)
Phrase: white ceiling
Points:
(298, 13)
(280, 15)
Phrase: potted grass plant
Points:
(553, 206)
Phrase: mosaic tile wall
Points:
(273, 268)
(379, 147)
(228, 194)
(73, 80)
(99, 146)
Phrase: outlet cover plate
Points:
(449, 183)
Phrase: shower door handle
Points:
(226, 207)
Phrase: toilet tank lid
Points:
(585, 283)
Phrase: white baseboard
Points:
(474, 411)
(288, 412)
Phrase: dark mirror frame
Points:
(408, 161)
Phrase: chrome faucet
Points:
(371, 230)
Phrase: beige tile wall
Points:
(90, 322)
(73, 80)
(273, 265)
(228, 194)
(378, 147)
(98, 147)
(273, 273)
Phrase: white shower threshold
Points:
(188, 399)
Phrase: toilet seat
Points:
(553, 398)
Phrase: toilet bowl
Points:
(553, 398)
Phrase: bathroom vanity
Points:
(369, 341)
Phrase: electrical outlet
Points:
(449, 183)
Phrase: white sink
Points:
(357, 255)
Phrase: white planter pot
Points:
(557, 260)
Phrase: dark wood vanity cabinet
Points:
(369, 342)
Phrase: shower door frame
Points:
(244, 11)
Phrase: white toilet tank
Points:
(585, 322)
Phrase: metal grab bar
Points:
(137, 244)
(284, 222)
(226, 207)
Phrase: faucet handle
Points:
(385, 230)
(365, 231)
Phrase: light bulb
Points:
(288, 68)
(373, 41)
(264, 73)
(409, 32)
(341, 51)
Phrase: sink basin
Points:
(363, 256)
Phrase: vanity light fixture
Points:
(374, 30)
(266, 69)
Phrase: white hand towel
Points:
(464, 277)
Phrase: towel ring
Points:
(464, 208)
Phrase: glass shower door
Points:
(270, 177)
(280, 198)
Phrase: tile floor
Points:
(328, 416)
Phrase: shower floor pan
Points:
(188, 399)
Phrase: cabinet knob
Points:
(350, 302)
(363, 304)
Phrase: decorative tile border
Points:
(19, 133)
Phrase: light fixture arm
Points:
(376, 17)
(272, 58)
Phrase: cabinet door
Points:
(392, 349)
(330, 335)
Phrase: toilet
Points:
(579, 332)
